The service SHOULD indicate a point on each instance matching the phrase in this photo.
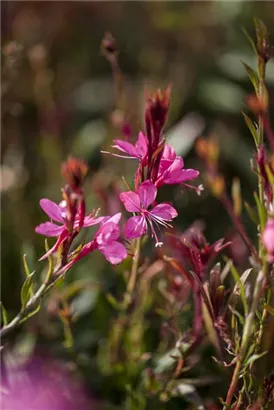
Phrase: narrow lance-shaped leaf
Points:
(255, 357)
(252, 213)
(270, 174)
(27, 290)
(4, 314)
(26, 268)
(32, 313)
(114, 302)
(240, 285)
(261, 211)
(252, 76)
(50, 263)
(251, 128)
(270, 309)
(250, 40)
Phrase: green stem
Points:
(31, 305)
(133, 276)
(122, 321)
(247, 333)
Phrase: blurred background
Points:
(59, 98)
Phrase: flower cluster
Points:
(158, 165)
(71, 218)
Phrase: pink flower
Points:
(58, 213)
(171, 169)
(106, 241)
(138, 151)
(268, 239)
(139, 201)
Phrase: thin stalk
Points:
(238, 224)
(133, 275)
(122, 321)
(31, 305)
(247, 333)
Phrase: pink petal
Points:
(164, 211)
(136, 226)
(89, 220)
(114, 252)
(59, 242)
(170, 165)
(131, 201)
(141, 145)
(188, 174)
(169, 153)
(147, 192)
(115, 218)
(126, 147)
(49, 229)
(175, 174)
(109, 230)
(51, 209)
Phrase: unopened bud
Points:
(157, 106)
(264, 50)
(208, 149)
(74, 171)
(216, 184)
(258, 105)
(108, 45)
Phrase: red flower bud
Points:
(74, 171)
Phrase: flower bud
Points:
(264, 50)
(109, 46)
(208, 150)
(258, 105)
(216, 184)
(74, 171)
(157, 106)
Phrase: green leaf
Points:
(261, 211)
(252, 213)
(50, 263)
(252, 76)
(27, 290)
(251, 128)
(270, 309)
(4, 314)
(32, 313)
(114, 303)
(250, 40)
(255, 357)
(238, 314)
(270, 174)
(26, 268)
(240, 285)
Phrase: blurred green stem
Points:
(122, 321)
(32, 304)
(247, 333)
(133, 275)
